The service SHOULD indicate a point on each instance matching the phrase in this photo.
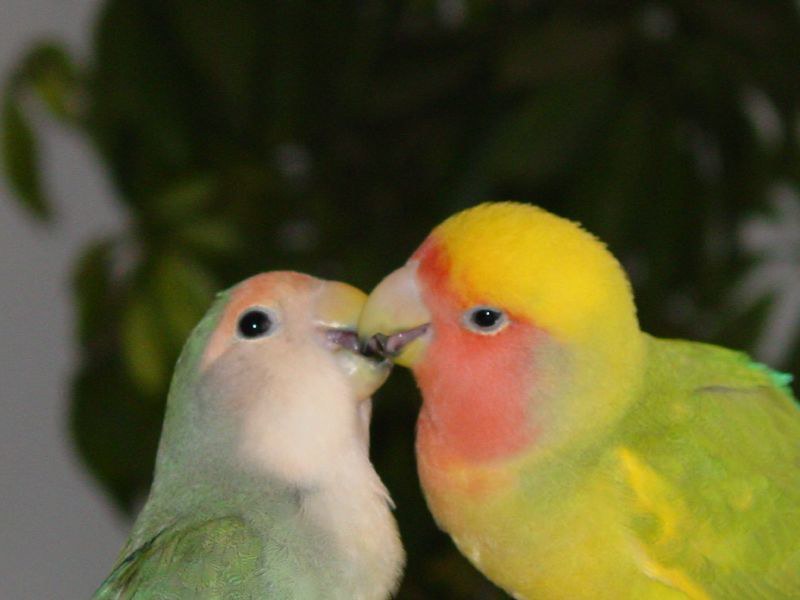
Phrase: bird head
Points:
(272, 379)
(507, 314)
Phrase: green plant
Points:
(329, 138)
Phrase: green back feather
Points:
(718, 436)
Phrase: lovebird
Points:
(568, 454)
(263, 487)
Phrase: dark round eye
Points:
(255, 323)
(485, 319)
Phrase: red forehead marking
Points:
(475, 387)
(263, 289)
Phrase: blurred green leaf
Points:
(20, 159)
(144, 344)
(184, 291)
(546, 133)
(211, 236)
(92, 282)
(49, 71)
(146, 112)
(221, 39)
(115, 431)
(184, 199)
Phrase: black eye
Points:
(485, 319)
(254, 323)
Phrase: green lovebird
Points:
(263, 486)
(570, 455)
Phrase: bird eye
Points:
(255, 323)
(485, 319)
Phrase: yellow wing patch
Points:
(675, 578)
(652, 494)
(654, 497)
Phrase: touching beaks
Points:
(395, 322)
(343, 338)
(390, 346)
(338, 305)
(336, 312)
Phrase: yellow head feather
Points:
(536, 265)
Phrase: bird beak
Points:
(395, 323)
(337, 310)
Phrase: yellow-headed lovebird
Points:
(570, 455)
(263, 486)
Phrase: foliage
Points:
(329, 137)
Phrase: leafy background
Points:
(329, 138)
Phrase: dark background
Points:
(329, 137)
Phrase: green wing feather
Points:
(216, 559)
(713, 474)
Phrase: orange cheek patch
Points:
(441, 468)
(476, 388)
(475, 391)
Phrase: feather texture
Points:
(570, 455)
(263, 485)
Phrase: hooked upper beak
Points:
(394, 322)
(337, 310)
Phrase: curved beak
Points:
(336, 313)
(395, 322)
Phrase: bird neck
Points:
(353, 507)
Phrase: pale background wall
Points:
(58, 535)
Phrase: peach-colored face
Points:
(311, 322)
(267, 290)
(283, 360)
